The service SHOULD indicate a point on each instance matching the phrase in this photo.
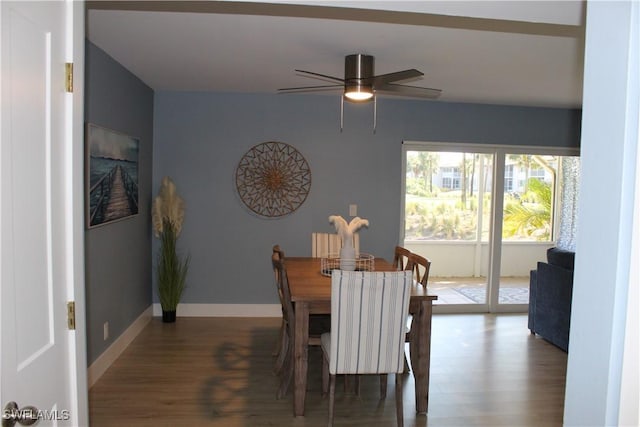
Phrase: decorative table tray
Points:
(363, 262)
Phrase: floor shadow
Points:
(241, 388)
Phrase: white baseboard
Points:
(102, 363)
(224, 310)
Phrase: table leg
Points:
(301, 355)
(420, 347)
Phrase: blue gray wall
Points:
(199, 139)
(118, 255)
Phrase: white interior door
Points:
(42, 360)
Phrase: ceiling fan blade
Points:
(309, 88)
(394, 77)
(412, 91)
(321, 76)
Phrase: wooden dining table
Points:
(311, 294)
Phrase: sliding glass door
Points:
(481, 246)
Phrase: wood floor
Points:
(486, 370)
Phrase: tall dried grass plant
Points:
(171, 268)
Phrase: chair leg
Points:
(332, 398)
(407, 367)
(383, 386)
(325, 375)
(399, 409)
(407, 339)
(282, 353)
(287, 375)
(278, 347)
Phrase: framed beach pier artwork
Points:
(111, 176)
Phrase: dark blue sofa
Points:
(550, 292)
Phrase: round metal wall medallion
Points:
(273, 179)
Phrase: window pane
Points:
(547, 194)
(442, 194)
(529, 201)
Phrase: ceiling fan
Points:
(360, 84)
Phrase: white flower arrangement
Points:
(344, 230)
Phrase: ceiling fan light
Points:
(358, 93)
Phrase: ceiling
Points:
(526, 53)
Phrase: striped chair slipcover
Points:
(368, 315)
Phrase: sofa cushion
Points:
(561, 257)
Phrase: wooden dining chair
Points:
(280, 349)
(419, 267)
(401, 258)
(318, 324)
(324, 244)
(367, 329)
(401, 262)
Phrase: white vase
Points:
(347, 258)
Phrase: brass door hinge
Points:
(68, 68)
(71, 315)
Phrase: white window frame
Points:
(499, 153)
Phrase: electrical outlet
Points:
(106, 331)
(353, 210)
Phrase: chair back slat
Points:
(420, 266)
(368, 314)
(324, 244)
(277, 255)
(401, 258)
(282, 283)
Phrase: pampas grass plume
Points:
(169, 206)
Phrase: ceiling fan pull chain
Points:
(341, 112)
(375, 112)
